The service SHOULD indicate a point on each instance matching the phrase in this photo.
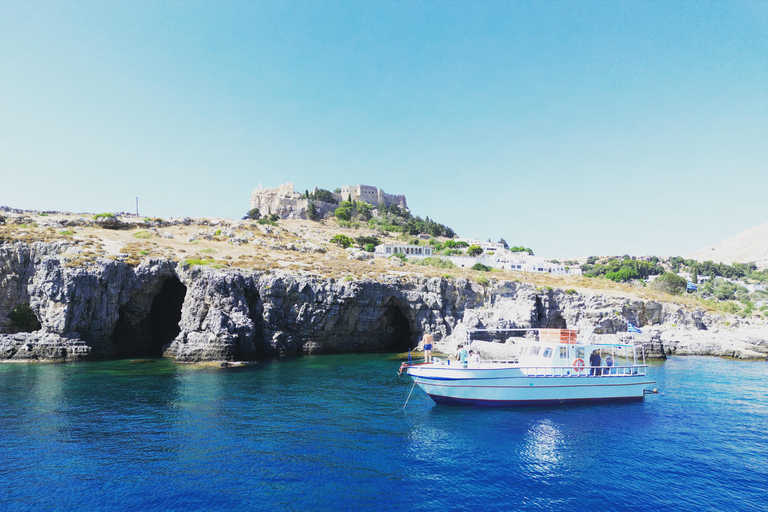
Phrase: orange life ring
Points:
(578, 364)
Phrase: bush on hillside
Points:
(253, 214)
(670, 283)
(342, 241)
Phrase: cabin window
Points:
(563, 352)
(535, 351)
(547, 352)
(580, 352)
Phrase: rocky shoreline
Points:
(108, 309)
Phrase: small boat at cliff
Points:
(553, 369)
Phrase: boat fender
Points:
(578, 364)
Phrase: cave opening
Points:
(398, 329)
(253, 347)
(139, 333)
(23, 319)
(165, 315)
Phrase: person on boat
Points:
(594, 362)
(427, 341)
(463, 355)
(608, 363)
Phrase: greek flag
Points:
(691, 286)
(632, 328)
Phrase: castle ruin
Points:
(287, 204)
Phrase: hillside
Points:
(297, 246)
(750, 245)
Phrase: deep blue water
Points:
(330, 433)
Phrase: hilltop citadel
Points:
(287, 204)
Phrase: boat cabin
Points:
(561, 349)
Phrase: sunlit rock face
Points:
(111, 309)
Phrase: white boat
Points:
(551, 370)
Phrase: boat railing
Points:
(570, 371)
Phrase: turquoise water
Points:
(330, 433)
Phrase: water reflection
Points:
(542, 451)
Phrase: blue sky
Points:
(574, 128)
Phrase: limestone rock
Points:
(110, 309)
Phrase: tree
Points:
(337, 190)
(475, 250)
(503, 243)
(344, 211)
(342, 241)
(481, 267)
(670, 283)
(364, 210)
(253, 214)
(324, 196)
(365, 240)
(694, 277)
(312, 212)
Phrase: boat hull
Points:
(474, 402)
(511, 387)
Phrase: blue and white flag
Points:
(632, 328)
(691, 286)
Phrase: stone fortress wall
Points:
(372, 195)
(283, 201)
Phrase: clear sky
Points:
(574, 128)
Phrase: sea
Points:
(333, 432)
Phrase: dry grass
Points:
(136, 245)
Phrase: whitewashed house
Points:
(410, 251)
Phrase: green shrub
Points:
(670, 283)
(482, 280)
(266, 220)
(344, 211)
(363, 241)
(342, 241)
(370, 247)
(475, 250)
(67, 232)
(434, 262)
(570, 291)
(253, 214)
(104, 216)
(203, 262)
(312, 212)
(322, 195)
(141, 234)
(481, 267)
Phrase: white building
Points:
(411, 251)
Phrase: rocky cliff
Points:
(108, 308)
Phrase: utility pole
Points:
(137, 206)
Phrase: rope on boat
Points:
(409, 394)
